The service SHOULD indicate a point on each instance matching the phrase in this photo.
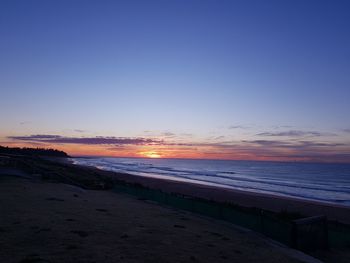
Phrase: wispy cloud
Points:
(295, 133)
(80, 131)
(232, 127)
(282, 127)
(86, 140)
(282, 150)
(301, 145)
(186, 135)
(39, 137)
(346, 130)
(267, 143)
(25, 122)
(168, 134)
(219, 137)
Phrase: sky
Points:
(246, 80)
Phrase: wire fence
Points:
(299, 233)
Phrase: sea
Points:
(323, 182)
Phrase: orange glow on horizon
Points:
(154, 152)
(150, 154)
(164, 151)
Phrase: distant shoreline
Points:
(195, 159)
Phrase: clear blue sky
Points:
(238, 70)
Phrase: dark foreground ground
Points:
(46, 222)
(58, 213)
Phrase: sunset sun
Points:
(151, 154)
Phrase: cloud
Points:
(295, 133)
(86, 140)
(268, 143)
(238, 127)
(279, 149)
(321, 144)
(117, 148)
(159, 133)
(186, 134)
(346, 130)
(219, 137)
(25, 122)
(35, 137)
(297, 145)
(282, 150)
(80, 131)
(282, 127)
(168, 134)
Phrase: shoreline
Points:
(90, 177)
(270, 202)
(196, 159)
(293, 183)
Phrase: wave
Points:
(216, 175)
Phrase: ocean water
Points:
(313, 181)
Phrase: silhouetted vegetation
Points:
(32, 151)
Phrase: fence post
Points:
(294, 236)
(306, 240)
(220, 212)
(325, 232)
(166, 198)
(262, 221)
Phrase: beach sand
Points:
(53, 222)
(244, 198)
(53, 211)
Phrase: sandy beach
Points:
(58, 212)
(50, 222)
(243, 198)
